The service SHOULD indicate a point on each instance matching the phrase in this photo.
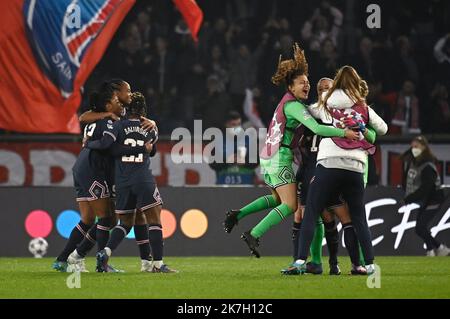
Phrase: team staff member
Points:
(423, 187)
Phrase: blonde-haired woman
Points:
(341, 163)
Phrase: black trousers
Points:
(327, 182)
(424, 218)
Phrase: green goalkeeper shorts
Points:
(277, 175)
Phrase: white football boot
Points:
(442, 250)
(430, 253)
(146, 266)
(370, 269)
(77, 262)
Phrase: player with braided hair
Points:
(290, 119)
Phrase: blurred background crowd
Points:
(406, 62)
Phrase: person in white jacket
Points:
(340, 166)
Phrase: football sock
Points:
(295, 233)
(76, 236)
(88, 242)
(332, 237)
(259, 204)
(274, 217)
(103, 228)
(156, 240)
(316, 244)
(361, 255)
(351, 243)
(117, 235)
(141, 233)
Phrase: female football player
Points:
(91, 175)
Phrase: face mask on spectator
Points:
(416, 151)
(238, 129)
(235, 130)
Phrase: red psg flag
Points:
(192, 14)
(47, 51)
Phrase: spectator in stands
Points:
(439, 110)
(243, 70)
(442, 55)
(145, 27)
(132, 57)
(218, 65)
(404, 63)
(179, 67)
(325, 22)
(328, 61)
(164, 67)
(162, 87)
(214, 107)
(363, 60)
(218, 34)
(406, 117)
(235, 165)
(192, 90)
(377, 101)
(251, 108)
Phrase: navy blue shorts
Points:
(141, 195)
(90, 187)
(304, 176)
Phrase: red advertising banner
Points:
(50, 164)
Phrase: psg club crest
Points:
(60, 32)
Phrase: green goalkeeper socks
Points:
(275, 216)
(264, 202)
(316, 244)
(362, 262)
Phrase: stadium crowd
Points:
(406, 62)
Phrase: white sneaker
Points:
(146, 266)
(77, 262)
(442, 250)
(82, 266)
(430, 253)
(370, 269)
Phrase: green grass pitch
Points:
(226, 277)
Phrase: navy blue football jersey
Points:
(95, 160)
(309, 147)
(133, 169)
